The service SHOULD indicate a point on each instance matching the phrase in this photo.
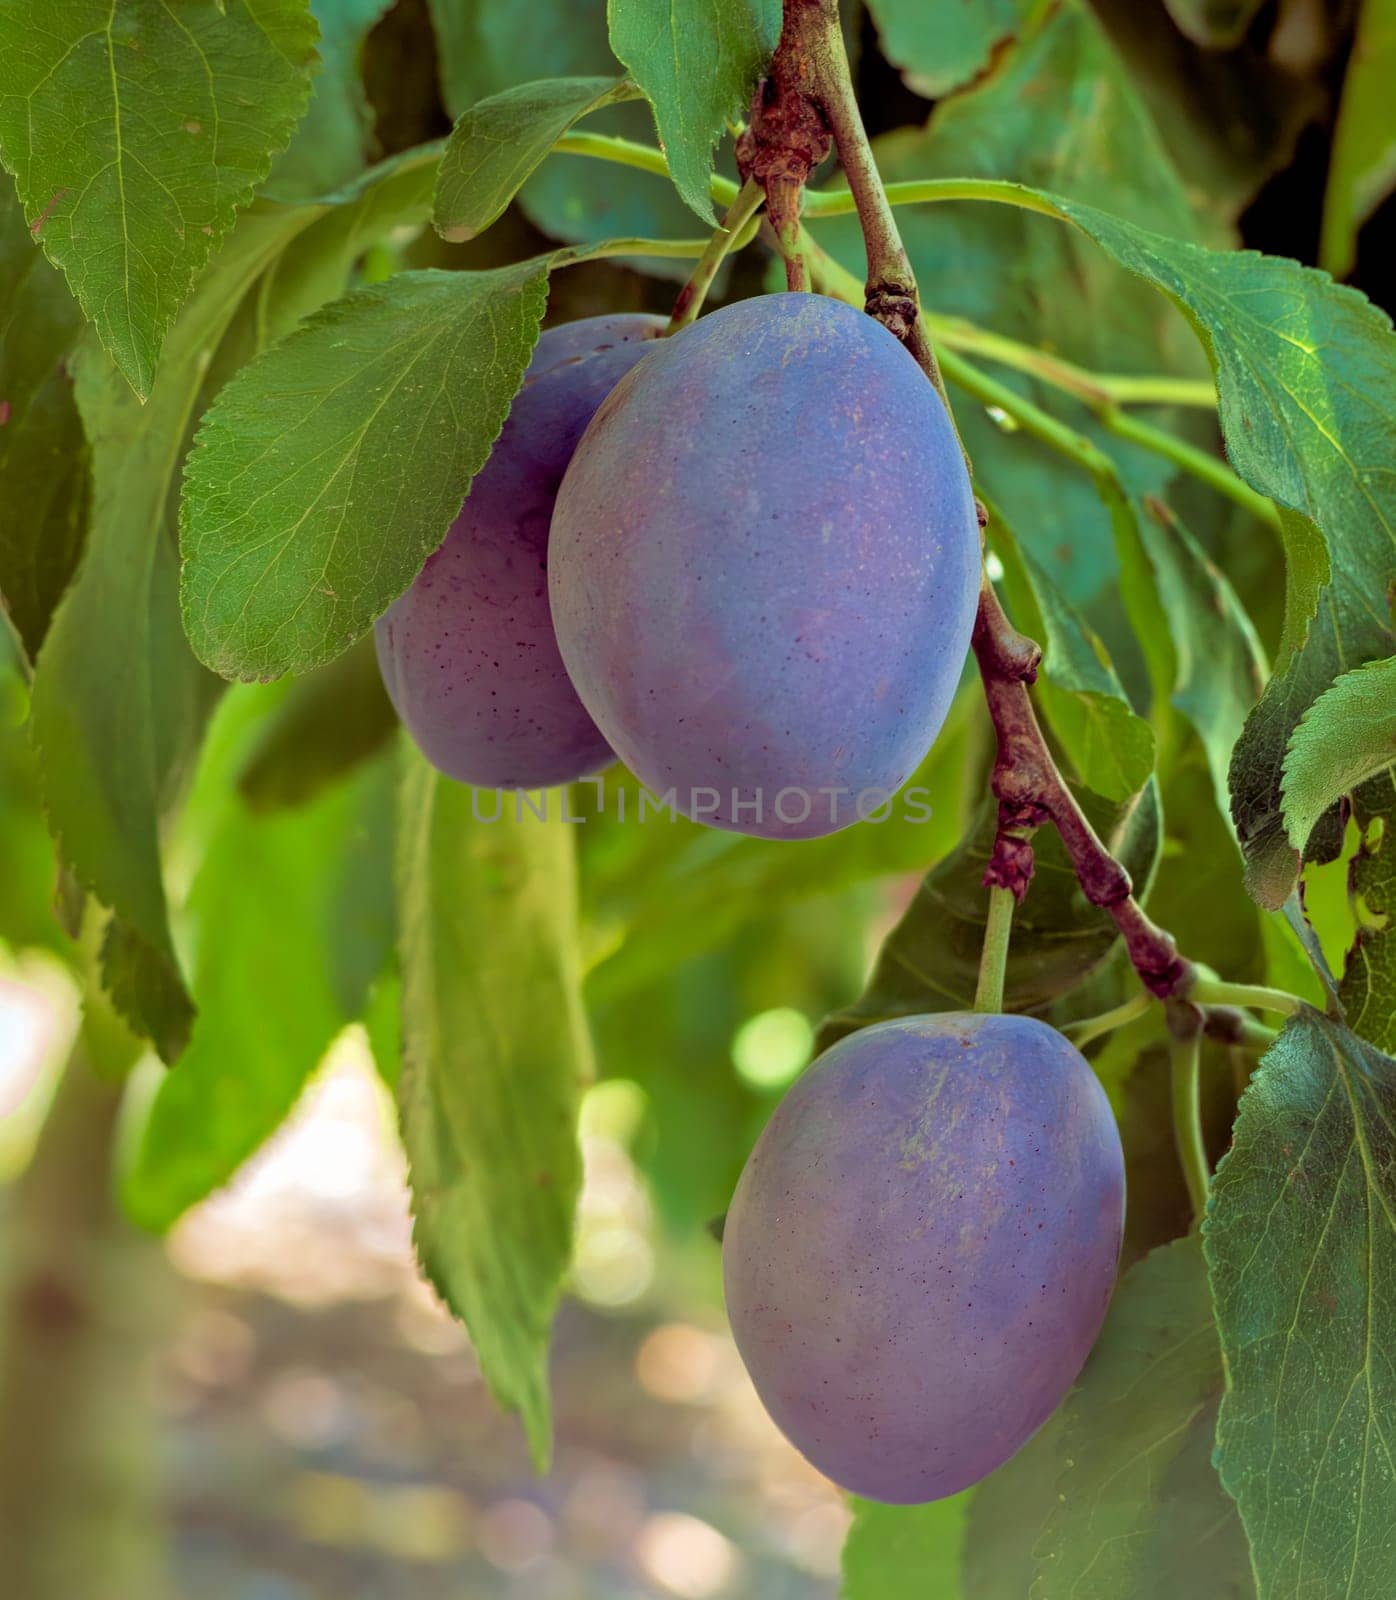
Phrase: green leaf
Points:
(1110, 747)
(44, 481)
(329, 146)
(1139, 1510)
(930, 960)
(485, 48)
(1007, 1512)
(1368, 989)
(1347, 736)
(1218, 668)
(495, 1051)
(697, 62)
(136, 130)
(330, 721)
(1301, 1248)
(894, 1551)
(119, 700)
(1362, 168)
(332, 466)
(497, 143)
(269, 988)
(937, 49)
(1304, 373)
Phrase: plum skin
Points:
(468, 654)
(922, 1247)
(764, 566)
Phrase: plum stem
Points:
(811, 65)
(1185, 1023)
(993, 957)
(725, 237)
(1209, 991)
(1088, 1029)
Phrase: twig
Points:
(1030, 790)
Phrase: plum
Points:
(764, 564)
(922, 1246)
(468, 653)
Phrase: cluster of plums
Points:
(744, 559)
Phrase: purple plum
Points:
(468, 653)
(922, 1246)
(764, 565)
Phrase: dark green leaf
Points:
(1218, 668)
(1301, 1246)
(485, 48)
(495, 146)
(286, 924)
(43, 453)
(332, 719)
(1346, 736)
(1006, 1514)
(938, 48)
(930, 960)
(135, 131)
(495, 1051)
(1230, 118)
(910, 1551)
(1304, 373)
(697, 62)
(1110, 747)
(332, 466)
(1368, 988)
(1362, 169)
(329, 146)
(1139, 1510)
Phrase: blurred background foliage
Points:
(266, 1403)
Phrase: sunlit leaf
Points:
(499, 142)
(697, 62)
(1347, 736)
(1301, 1245)
(332, 466)
(136, 130)
(495, 1051)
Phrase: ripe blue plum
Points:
(468, 653)
(764, 564)
(922, 1246)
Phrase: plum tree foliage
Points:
(997, 472)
